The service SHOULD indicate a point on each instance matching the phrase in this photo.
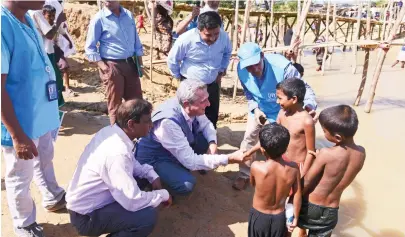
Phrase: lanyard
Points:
(34, 37)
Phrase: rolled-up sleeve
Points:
(172, 138)
(227, 54)
(93, 36)
(118, 176)
(310, 98)
(176, 55)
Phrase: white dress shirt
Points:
(105, 174)
(172, 138)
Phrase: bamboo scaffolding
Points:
(358, 26)
(301, 22)
(366, 58)
(271, 22)
(326, 38)
(242, 40)
(235, 47)
(334, 34)
(380, 62)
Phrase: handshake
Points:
(240, 157)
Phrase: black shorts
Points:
(266, 225)
(319, 220)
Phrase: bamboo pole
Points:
(326, 38)
(271, 22)
(151, 38)
(301, 22)
(366, 57)
(334, 34)
(298, 17)
(385, 18)
(257, 28)
(298, 9)
(147, 9)
(391, 18)
(245, 21)
(381, 60)
(358, 26)
(235, 32)
(235, 46)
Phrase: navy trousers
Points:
(116, 221)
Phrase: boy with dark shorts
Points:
(273, 180)
(301, 149)
(333, 170)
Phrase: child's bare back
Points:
(333, 170)
(273, 180)
(340, 165)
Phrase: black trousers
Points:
(212, 111)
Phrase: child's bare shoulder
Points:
(307, 118)
(258, 167)
(327, 153)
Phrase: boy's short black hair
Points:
(274, 139)
(293, 87)
(48, 9)
(209, 20)
(340, 119)
(299, 68)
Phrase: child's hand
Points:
(293, 225)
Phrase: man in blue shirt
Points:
(29, 113)
(259, 75)
(114, 29)
(203, 54)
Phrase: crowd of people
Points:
(118, 183)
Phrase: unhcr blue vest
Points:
(148, 149)
(265, 96)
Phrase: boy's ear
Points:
(338, 138)
(295, 99)
(263, 152)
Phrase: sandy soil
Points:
(371, 206)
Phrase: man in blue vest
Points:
(259, 75)
(183, 139)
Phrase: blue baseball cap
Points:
(249, 54)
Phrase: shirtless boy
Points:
(273, 180)
(333, 170)
(290, 95)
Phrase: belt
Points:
(127, 60)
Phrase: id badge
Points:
(52, 90)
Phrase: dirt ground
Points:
(371, 206)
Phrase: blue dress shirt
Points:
(117, 36)
(28, 70)
(192, 58)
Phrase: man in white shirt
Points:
(183, 139)
(103, 196)
(48, 32)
